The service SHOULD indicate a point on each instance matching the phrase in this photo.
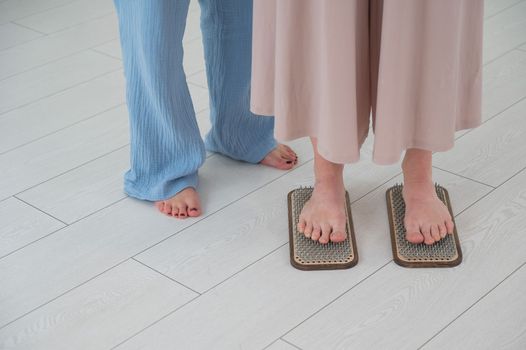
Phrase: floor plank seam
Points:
(4, 199)
(154, 323)
(51, 233)
(501, 112)
(224, 206)
(193, 75)
(490, 192)
(469, 131)
(284, 335)
(201, 294)
(42, 211)
(517, 47)
(165, 276)
(271, 252)
(245, 267)
(62, 294)
(54, 61)
(13, 46)
(24, 42)
(472, 305)
(94, 49)
(291, 344)
(197, 85)
(133, 256)
(205, 108)
(269, 345)
(63, 128)
(146, 328)
(201, 110)
(377, 187)
(502, 10)
(338, 297)
(59, 91)
(79, 219)
(464, 177)
(28, 28)
(77, 122)
(71, 169)
(71, 26)
(40, 12)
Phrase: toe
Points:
(287, 156)
(167, 208)
(288, 164)
(435, 233)
(288, 159)
(338, 234)
(289, 150)
(426, 232)
(286, 153)
(308, 230)
(284, 164)
(175, 212)
(325, 233)
(160, 206)
(316, 233)
(194, 207)
(413, 233)
(301, 225)
(291, 154)
(193, 212)
(442, 230)
(183, 211)
(450, 226)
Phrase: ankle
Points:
(326, 170)
(329, 181)
(418, 190)
(417, 167)
(329, 175)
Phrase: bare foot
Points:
(323, 217)
(282, 157)
(183, 205)
(427, 219)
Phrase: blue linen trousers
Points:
(166, 146)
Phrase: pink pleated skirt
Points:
(330, 69)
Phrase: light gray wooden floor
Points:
(84, 267)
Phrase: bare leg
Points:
(427, 219)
